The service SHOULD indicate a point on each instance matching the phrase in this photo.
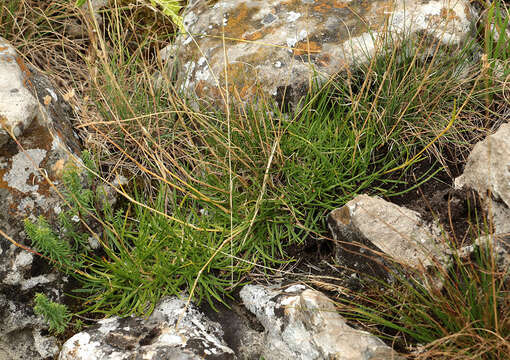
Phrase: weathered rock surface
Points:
(304, 324)
(21, 332)
(158, 337)
(367, 230)
(274, 47)
(18, 107)
(500, 246)
(488, 172)
(33, 112)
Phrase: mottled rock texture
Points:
(303, 324)
(274, 48)
(369, 230)
(488, 172)
(36, 141)
(157, 337)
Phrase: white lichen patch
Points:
(26, 205)
(291, 41)
(23, 259)
(23, 165)
(37, 280)
(189, 19)
(52, 93)
(57, 143)
(93, 243)
(46, 346)
(295, 288)
(187, 40)
(293, 16)
(107, 325)
(202, 61)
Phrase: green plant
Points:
(57, 315)
(218, 195)
(46, 242)
(246, 186)
(497, 32)
(171, 8)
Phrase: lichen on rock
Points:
(235, 51)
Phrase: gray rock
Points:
(303, 324)
(488, 172)
(20, 332)
(272, 48)
(36, 141)
(499, 244)
(368, 230)
(18, 106)
(157, 337)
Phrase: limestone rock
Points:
(499, 244)
(157, 337)
(34, 113)
(21, 333)
(368, 229)
(488, 171)
(18, 106)
(274, 47)
(303, 324)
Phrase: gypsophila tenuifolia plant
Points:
(57, 315)
(78, 194)
(46, 242)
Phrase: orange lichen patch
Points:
(47, 100)
(3, 183)
(307, 47)
(253, 36)
(384, 8)
(205, 90)
(3, 123)
(24, 69)
(241, 78)
(238, 21)
(246, 92)
(366, 4)
(292, 3)
(448, 14)
(324, 60)
(322, 8)
(467, 12)
(239, 72)
(445, 15)
(199, 88)
(325, 6)
(340, 4)
(58, 168)
(376, 26)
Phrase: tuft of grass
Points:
(241, 188)
(467, 318)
